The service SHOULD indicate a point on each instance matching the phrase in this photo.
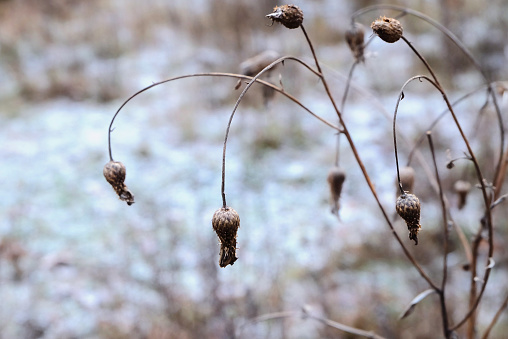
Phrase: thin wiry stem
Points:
(496, 318)
(213, 74)
(481, 180)
(267, 68)
(304, 314)
(442, 297)
(366, 176)
(465, 50)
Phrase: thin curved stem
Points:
(270, 66)
(442, 297)
(213, 74)
(465, 50)
(496, 318)
(363, 169)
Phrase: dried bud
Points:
(355, 37)
(462, 189)
(114, 172)
(225, 223)
(336, 178)
(290, 16)
(407, 179)
(388, 29)
(408, 207)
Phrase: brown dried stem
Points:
(345, 131)
(442, 298)
(496, 318)
(215, 74)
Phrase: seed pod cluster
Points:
(225, 223)
(388, 29)
(408, 207)
(114, 172)
(291, 16)
(355, 37)
(335, 179)
(462, 189)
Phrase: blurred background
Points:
(76, 262)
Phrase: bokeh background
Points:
(75, 262)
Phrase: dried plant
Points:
(226, 221)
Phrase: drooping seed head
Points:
(225, 223)
(355, 37)
(335, 179)
(407, 179)
(254, 65)
(291, 16)
(115, 172)
(462, 189)
(408, 207)
(388, 29)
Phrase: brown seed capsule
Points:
(407, 179)
(462, 189)
(290, 16)
(388, 29)
(408, 207)
(355, 38)
(114, 172)
(335, 179)
(225, 223)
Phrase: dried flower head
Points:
(225, 223)
(290, 16)
(407, 179)
(408, 207)
(355, 37)
(114, 172)
(335, 179)
(388, 29)
(462, 189)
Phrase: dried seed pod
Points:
(335, 179)
(355, 38)
(462, 189)
(408, 207)
(388, 29)
(407, 179)
(225, 223)
(114, 172)
(290, 16)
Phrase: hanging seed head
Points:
(407, 179)
(408, 207)
(388, 29)
(290, 16)
(462, 189)
(254, 65)
(335, 179)
(355, 38)
(114, 172)
(225, 223)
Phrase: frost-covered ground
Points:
(92, 267)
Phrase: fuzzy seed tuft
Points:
(291, 16)
(408, 207)
(114, 172)
(225, 223)
(388, 29)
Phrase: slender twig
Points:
(481, 180)
(346, 133)
(304, 314)
(496, 318)
(442, 297)
(449, 34)
(213, 74)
